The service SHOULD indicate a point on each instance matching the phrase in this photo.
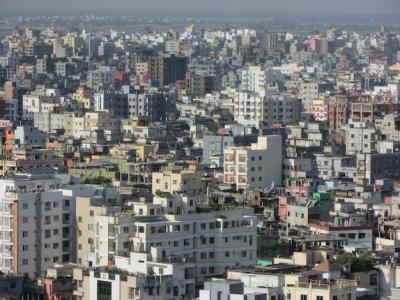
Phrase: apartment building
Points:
(249, 108)
(154, 104)
(188, 180)
(362, 112)
(28, 157)
(341, 289)
(301, 213)
(254, 80)
(281, 108)
(115, 284)
(360, 138)
(309, 91)
(358, 237)
(257, 166)
(88, 207)
(33, 217)
(195, 245)
(167, 69)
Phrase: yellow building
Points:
(85, 96)
(190, 181)
(87, 209)
(341, 289)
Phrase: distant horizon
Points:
(211, 7)
(124, 12)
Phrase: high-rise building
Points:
(167, 69)
(33, 218)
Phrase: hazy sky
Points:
(201, 6)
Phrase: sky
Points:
(208, 6)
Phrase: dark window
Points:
(103, 290)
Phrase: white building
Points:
(190, 246)
(32, 222)
(253, 80)
(257, 166)
(249, 108)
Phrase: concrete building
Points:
(153, 104)
(28, 135)
(281, 109)
(115, 284)
(189, 181)
(257, 166)
(214, 145)
(301, 213)
(358, 237)
(221, 289)
(167, 69)
(34, 216)
(253, 80)
(88, 207)
(361, 138)
(249, 108)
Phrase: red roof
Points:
(327, 266)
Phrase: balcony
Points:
(339, 284)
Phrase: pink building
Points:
(320, 110)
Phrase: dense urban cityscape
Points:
(174, 157)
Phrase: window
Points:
(25, 261)
(373, 279)
(351, 235)
(104, 290)
(320, 297)
(211, 240)
(25, 247)
(303, 297)
(361, 235)
(24, 233)
(211, 270)
(227, 254)
(288, 296)
(349, 296)
(203, 255)
(211, 255)
(25, 206)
